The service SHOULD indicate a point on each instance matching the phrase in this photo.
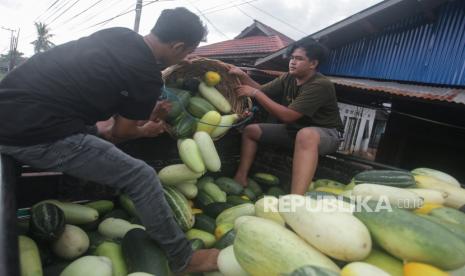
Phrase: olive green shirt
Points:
(315, 99)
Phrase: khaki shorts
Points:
(281, 135)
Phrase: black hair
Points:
(179, 25)
(313, 50)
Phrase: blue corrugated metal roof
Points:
(414, 49)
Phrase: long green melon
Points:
(266, 179)
(102, 206)
(385, 261)
(29, 258)
(229, 185)
(230, 215)
(142, 254)
(225, 124)
(393, 178)
(177, 173)
(437, 174)
(263, 247)
(190, 154)
(75, 214)
(89, 266)
(413, 238)
(114, 252)
(205, 223)
(208, 151)
(215, 98)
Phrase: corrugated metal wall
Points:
(412, 50)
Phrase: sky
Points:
(71, 19)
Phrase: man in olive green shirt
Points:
(308, 111)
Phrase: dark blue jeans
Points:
(91, 158)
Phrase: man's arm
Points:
(283, 113)
(124, 129)
(243, 77)
(118, 129)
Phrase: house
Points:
(256, 41)
(404, 62)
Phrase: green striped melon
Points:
(199, 106)
(311, 270)
(47, 222)
(180, 207)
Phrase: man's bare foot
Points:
(241, 180)
(203, 260)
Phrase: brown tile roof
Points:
(247, 45)
(258, 28)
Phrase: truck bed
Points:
(22, 186)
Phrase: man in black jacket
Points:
(47, 103)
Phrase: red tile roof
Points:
(243, 46)
(258, 28)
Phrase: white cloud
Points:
(308, 16)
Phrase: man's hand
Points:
(161, 110)
(153, 128)
(243, 76)
(190, 58)
(246, 91)
(245, 114)
(236, 71)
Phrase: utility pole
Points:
(12, 43)
(14, 52)
(138, 14)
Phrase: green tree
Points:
(5, 60)
(6, 57)
(42, 43)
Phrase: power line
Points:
(56, 10)
(93, 15)
(220, 5)
(7, 29)
(106, 21)
(229, 7)
(119, 15)
(237, 7)
(282, 21)
(80, 13)
(72, 5)
(208, 20)
(4, 49)
(53, 4)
